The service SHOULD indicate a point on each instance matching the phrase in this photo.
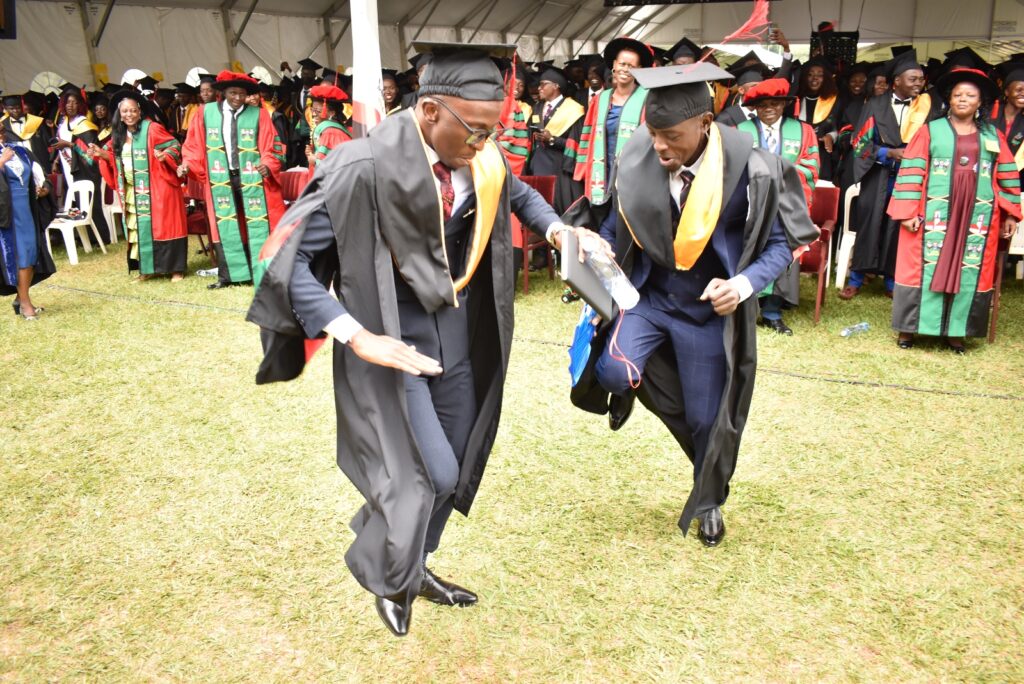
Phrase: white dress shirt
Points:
(776, 132)
(900, 111)
(225, 128)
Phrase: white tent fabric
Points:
(171, 36)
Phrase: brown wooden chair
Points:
(196, 219)
(824, 211)
(545, 186)
(293, 183)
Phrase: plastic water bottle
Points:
(851, 330)
(610, 274)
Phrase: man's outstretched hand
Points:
(387, 351)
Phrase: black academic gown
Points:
(732, 115)
(551, 160)
(376, 447)
(877, 234)
(774, 191)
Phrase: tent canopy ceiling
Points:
(171, 36)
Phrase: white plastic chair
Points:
(110, 209)
(845, 250)
(82, 192)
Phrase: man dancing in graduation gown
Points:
(401, 222)
(233, 150)
(703, 222)
(887, 124)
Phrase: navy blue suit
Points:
(670, 311)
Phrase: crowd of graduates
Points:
(893, 129)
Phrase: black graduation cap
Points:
(420, 59)
(541, 66)
(1008, 67)
(966, 57)
(860, 68)
(1014, 72)
(904, 61)
(556, 76)
(898, 50)
(11, 98)
(167, 92)
(680, 92)
(821, 61)
(329, 76)
(614, 47)
(185, 89)
(661, 56)
(684, 48)
(749, 62)
(207, 78)
(345, 83)
(110, 88)
(390, 73)
(148, 83)
(463, 70)
(308, 63)
(879, 69)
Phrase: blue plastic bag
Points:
(579, 351)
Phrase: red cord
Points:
(615, 352)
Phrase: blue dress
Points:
(611, 136)
(19, 246)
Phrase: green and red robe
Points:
(798, 146)
(154, 201)
(924, 188)
(237, 243)
(591, 165)
(326, 136)
(514, 140)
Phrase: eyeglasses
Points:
(476, 135)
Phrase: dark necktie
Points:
(234, 139)
(444, 175)
(547, 112)
(687, 179)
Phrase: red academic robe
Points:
(167, 200)
(194, 154)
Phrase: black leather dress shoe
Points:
(777, 325)
(905, 342)
(711, 528)
(442, 592)
(620, 408)
(217, 285)
(395, 612)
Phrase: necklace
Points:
(808, 97)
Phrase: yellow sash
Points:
(917, 117)
(31, 125)
(1019, 158)
(823, 109)
(85, 125)
(703, 205)
(568, 113)
(488, 169)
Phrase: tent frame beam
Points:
(241, 29)
(103, 23)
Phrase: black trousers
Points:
(442, 413)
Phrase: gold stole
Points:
(699, 216)
(916, 117)
(569, 111)
(488, 169)
(823, 109)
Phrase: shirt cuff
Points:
(743, 286)
(344, 328)
(549, 233)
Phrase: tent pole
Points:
(341, 33)
(225, 20)
(426, 19)
(103, 23)
(329, 41)
(482, 20)
(90, 47)
(245, 21)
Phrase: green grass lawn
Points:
(165, 519)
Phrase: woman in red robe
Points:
(141, 160)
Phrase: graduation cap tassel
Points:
(756, 27)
